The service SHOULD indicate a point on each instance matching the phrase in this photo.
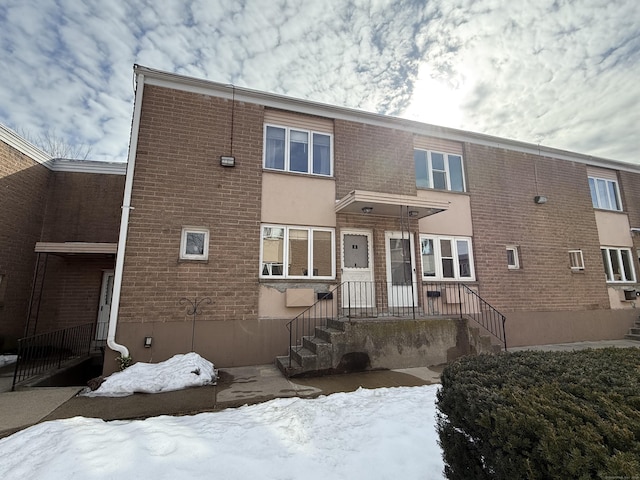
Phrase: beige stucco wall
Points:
(272, 301)
(454, 221)
(613, 229)
(617, 297)
(298, 200)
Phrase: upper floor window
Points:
(297, 252)
(439, 170)
(604, 193)
(297, 150)
(618, 264)
(446, 258)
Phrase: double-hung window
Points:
(605, 193)
(297, 150)
(446, 258)
(618, 264)
(297, 252)
(437, 170)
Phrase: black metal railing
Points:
(403, 300)
(317, 315)
(41, 353)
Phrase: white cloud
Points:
(563, 74)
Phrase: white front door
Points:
(401, 271)
(357, 269)
(104, 308)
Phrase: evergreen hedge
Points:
(542, 415)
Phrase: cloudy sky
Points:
(561, 73)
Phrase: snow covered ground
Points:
(7, 359)
(179, 372)
(386, 433)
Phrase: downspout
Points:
(124, 223)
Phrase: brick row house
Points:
(59, 224)
(255, 208)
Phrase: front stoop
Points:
(360, 344)
(634, 332)
(315, 354)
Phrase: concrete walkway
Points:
(236, 386)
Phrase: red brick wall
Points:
(179, 182)
(23, 189)
(502, 186)
(83, 207)
(373, 158)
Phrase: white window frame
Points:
(516, 257)
(287, 150)
(608, 268)
(456, 261)
(576, 260)
(183, 244)
(446, 167)
(605, 203)
(285, 252)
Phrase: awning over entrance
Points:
(388, 205)
(76, 247)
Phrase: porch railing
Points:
(41, 353)
(401, 300)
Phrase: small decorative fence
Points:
(41, 353)
(402, 300)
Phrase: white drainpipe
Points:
(124, 223)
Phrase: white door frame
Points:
(400, 295)
(362, 293)
(104, 307)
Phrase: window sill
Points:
(266, 280)
(428, 189)
(193, 260)
(597, 209)
(298, 174)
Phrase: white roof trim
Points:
(88, 166)
(14, 140)
(206, 87)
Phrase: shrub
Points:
(540, 415)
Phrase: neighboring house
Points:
(319, 195)
(58, 239)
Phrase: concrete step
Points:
(315, 344)
(630, 336)
(288, 368)
(634, 331)
(328, 334)
(336, 324)
(305, 358)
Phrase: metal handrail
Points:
(47, 351)
(403, 300)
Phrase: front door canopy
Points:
(387, 204)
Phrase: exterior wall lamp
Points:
(540, 199)
(147, 342)
(367, 210)
(228, 161)
(413, 213)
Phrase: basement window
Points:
(194, 243)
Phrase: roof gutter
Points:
(124, 222)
